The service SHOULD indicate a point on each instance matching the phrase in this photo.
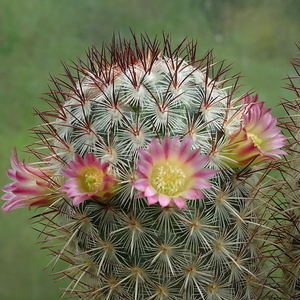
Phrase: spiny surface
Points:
(190, 233)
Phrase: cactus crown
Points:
(156, 171)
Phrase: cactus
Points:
(154, 175)
(288, 230)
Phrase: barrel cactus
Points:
(288, 191)
(152, 172)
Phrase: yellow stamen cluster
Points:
(93, 179)
(168, 179)
(256, 140)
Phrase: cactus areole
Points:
(149, 166)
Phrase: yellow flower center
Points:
(93, 179)
(257, 141)
(168, 179)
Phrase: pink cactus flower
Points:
(31, 186)
(88, 178)
(258, 138)
(170, 173)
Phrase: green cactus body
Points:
(116, 244)
(289, 234)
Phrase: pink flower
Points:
(171, 173)
(258, 138)
(88, 178)
(31, 186)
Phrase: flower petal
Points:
(180, 202)
(193, 194)
(152, 199)
(141, 184)
(164, 200)
(150, 191)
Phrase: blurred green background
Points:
(36, 35)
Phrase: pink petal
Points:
(166, 144)
(8, 206)
(70, 183)
(21, 176)
(185, 147)
(139, 195)
(14, 161)
(144, 155)
(8, 196)
(193, 155)
(152, 199)
(68, 173)
(175, 147)
(150, 191)
(164, 200)
(73, 192)
(104, 167)
(205, 174)
(156, 150)
(180, 202)
(201, 183)
(23, 190)
(141, 184)
(140, 174)
(193, 194)
(144, 167)
(75, 166)
(79, 199)
(6, 188)
(200, 161)
(279, 152)
(78, 160)
(11, 174)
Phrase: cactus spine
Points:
(157, 177)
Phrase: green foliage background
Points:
(36, 35)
